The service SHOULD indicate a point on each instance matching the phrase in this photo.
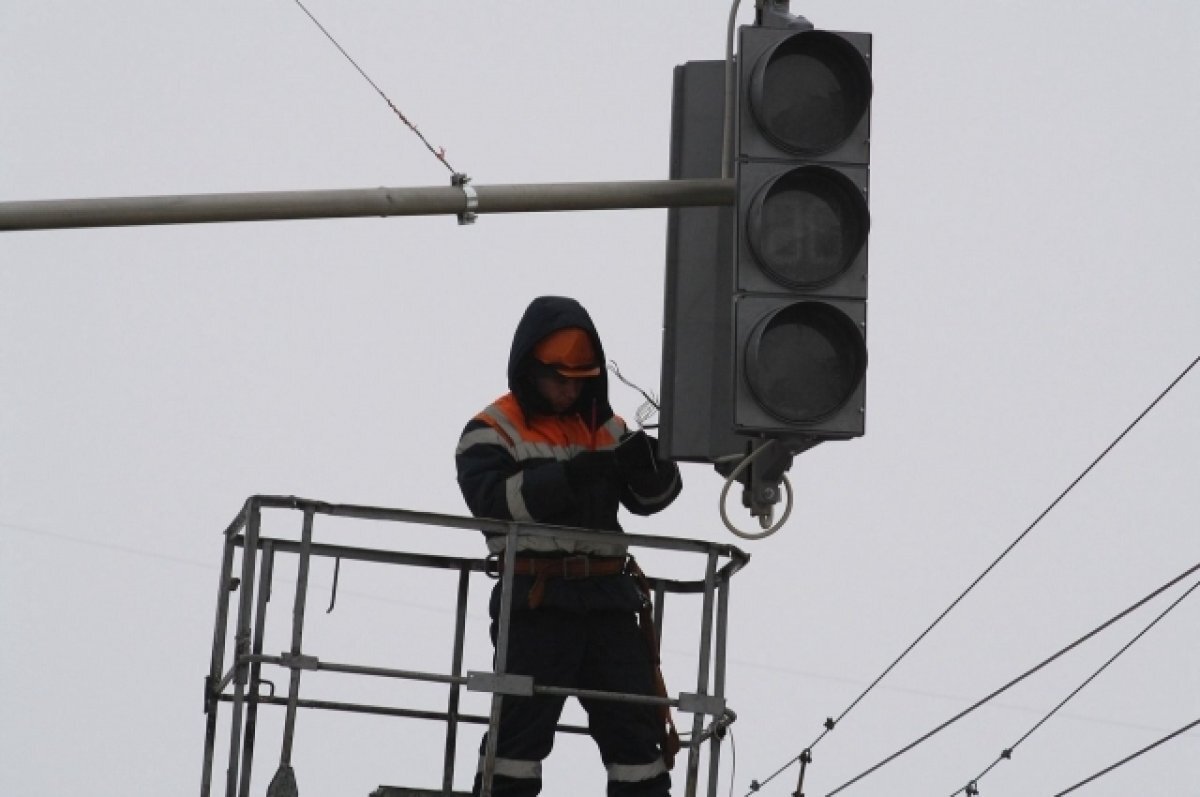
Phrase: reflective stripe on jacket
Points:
(511, 467)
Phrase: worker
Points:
(552, 451)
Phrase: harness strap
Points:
(670, 736)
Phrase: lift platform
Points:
(236, 676)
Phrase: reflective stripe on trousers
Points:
(515, 768)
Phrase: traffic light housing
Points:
(801, 225)
(764, 334)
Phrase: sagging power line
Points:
(1006, 754)
(1129, 758)
(1031, 671)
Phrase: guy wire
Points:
(440, 152)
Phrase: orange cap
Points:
(568, 351)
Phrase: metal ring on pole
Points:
(468, 216)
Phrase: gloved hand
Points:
(589, 468)
(637, 452)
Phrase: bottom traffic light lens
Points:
(804, 361)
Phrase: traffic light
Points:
(801, 221)
(764, 325)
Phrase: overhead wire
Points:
(440, 152)
(1129, 758)
(1006, 754)
(1031, 671)
(831, 722)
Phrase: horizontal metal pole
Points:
(358, 202)
(363, 708)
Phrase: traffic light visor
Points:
(804, 361)
(807, 226)
(809, 92)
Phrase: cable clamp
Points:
(460, 180)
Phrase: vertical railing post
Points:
(660, 599)
(460, 626)
(714, 754)
(266, 569)
(242, 642)
(289, 722)
(211, 701)
(706, 623)
(501, 664)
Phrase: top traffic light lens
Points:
(809, 92)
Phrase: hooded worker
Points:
(552, 451)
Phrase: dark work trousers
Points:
(601, 650)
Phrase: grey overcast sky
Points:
(1035, 272)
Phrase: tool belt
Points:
(568, 568)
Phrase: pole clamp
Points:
(460, 180)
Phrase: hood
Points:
(544, 315)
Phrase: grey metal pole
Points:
(501, 660)
(706, 626)
(265, 575)
(360, 202)
(714, 754)
(220, 631)
(242, 646)
(289, 722)
(460, 627)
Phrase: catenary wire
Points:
(1129, 758)
(1006, 754)
(832, 722)
(440, 152)
(1036, 668)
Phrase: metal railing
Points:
(238, 680)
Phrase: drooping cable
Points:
(1032, 670)
(832, 722)
(440, 152)
(648, 408)
(770, 528)
(1129, 758)
(1006, 754)
(730, 92)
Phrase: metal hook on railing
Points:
(337, 568)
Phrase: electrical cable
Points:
(440, 152)
(729, 480)
(1019, 678)
(648, 408)
(1006, 754)
(1129, 758)
(727, 126)
(831, 722)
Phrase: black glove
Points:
(589, 468)
(637, 452)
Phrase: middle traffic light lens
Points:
(807, 226)
(804, 361)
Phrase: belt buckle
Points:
(587, 568)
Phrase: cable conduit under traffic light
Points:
(732, 477)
